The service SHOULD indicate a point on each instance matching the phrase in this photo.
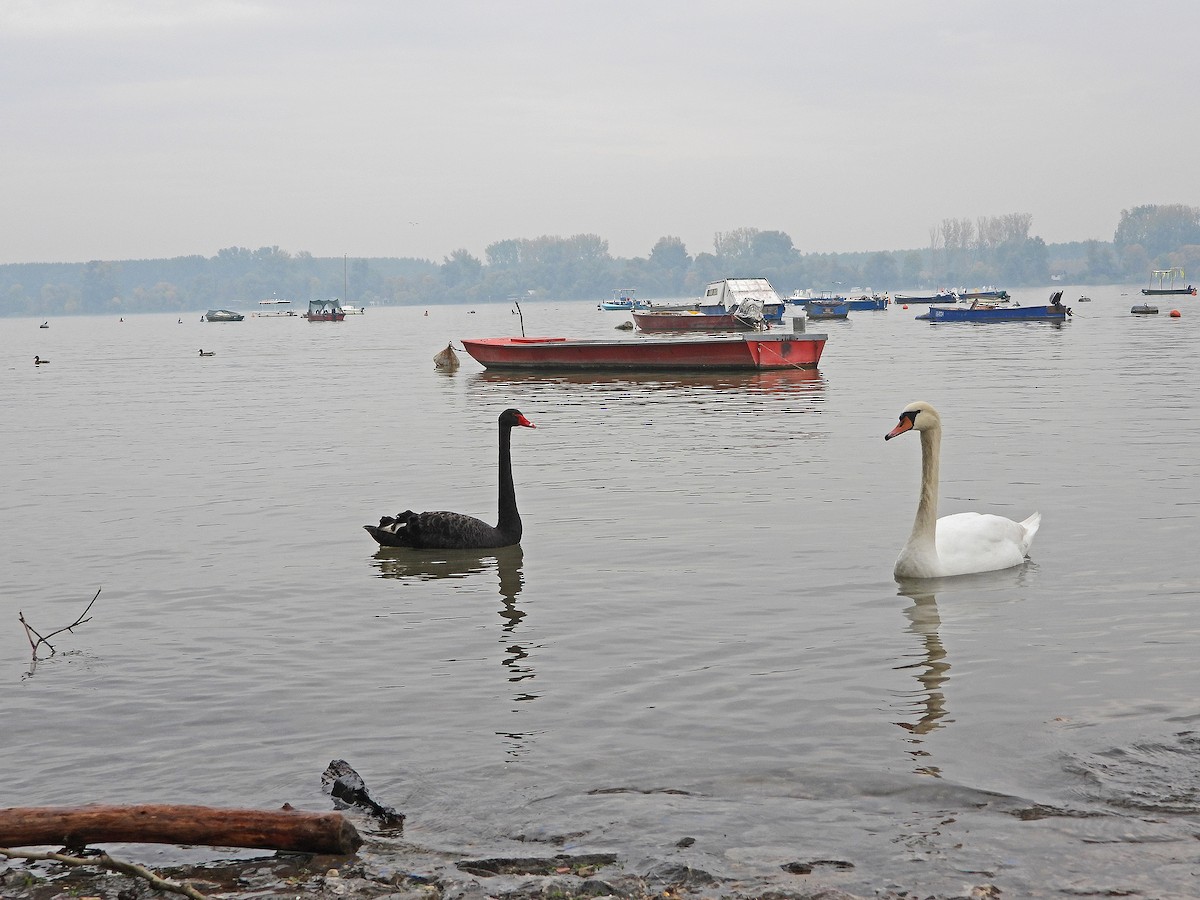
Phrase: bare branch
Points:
(115, 865)
(78, 621)
(30, 630)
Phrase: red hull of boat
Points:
(687, 321)
(325, 317)
(754, 352)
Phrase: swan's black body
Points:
(455, 531)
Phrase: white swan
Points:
(962, 543)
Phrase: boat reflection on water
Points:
(770, 381)
(507, 563)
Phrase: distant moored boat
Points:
(223, 315)
(1162, 275)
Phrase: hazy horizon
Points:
(371, 129)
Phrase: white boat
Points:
(752, 297)
(346, 308)
(273, 307)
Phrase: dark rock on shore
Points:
(426, 877)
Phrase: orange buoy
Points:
(1175, 314)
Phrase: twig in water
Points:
(31, 632)
(115, 865)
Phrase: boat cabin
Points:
(731, 292)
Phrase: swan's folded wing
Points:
(980, 542)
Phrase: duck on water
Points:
(455, 531)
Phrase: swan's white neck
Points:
(924, 531)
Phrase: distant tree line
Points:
(992, 250)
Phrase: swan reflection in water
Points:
(928, 702)
(507, 562)
(932, 670)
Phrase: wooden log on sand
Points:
(78, 826)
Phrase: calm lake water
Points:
(700, 635)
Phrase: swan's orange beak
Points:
(906, 424)
(521, 420)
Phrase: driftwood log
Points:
(76, 827)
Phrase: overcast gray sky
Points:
(164, 128)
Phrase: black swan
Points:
(451, 530)
(204, 352)
(38, 361)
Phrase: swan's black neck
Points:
(509, 520)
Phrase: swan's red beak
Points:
(906, 424)
(521, 420)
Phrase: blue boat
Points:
(771, 312)
(1054, 311)
(837, 308)
(623, 299)
(869, 301)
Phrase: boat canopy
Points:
(1163, 274)
(324, 306)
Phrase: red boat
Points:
(713, 351)
(694, 320)
(324, 311)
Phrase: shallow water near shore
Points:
(699, 636)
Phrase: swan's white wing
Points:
(979, 542)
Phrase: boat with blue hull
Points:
(836, 308)
(623, 299)
(869, 301)
(976, 311)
